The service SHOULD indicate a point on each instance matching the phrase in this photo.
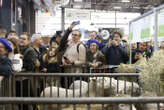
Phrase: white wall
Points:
(47, 24)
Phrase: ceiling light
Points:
(126, 1)
(117, 7)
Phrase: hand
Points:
(114, 43)
(21, 56)
(44, 70)
(72, 26)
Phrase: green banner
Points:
(145, 33)
(131, 36)
(161, 30)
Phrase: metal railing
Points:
(33, 84)
(130, 103)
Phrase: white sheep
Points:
(53, 92)
(77, 84)
(112, 83)
(99, 107)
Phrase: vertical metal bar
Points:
(35, 86)
(88, 87)
(44, 85)
(73, 86)
(144, 106)
(131, 107)
(103, 87)
(130, 45)
(110, 85)
(96, 88)
(21, 88)
(89, 106)
(66, 84)
(14, 86)
(117, 106)
(58, 90)
(155, 30)
(158, 106)
(117, 86)
(51, 86)
(132, 89)
(103, 107)
(28, 88)
(125, 87)
(80, 86)
(62, 18)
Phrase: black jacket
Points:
(5, 66)
(30, 58)
(115, 55)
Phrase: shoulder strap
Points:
(79, 46)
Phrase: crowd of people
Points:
(27, 53)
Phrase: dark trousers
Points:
(24, 90)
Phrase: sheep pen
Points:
(97, 87)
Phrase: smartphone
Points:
(76, 22)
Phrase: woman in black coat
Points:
(5, 63)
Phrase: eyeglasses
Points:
(22, 38)
(75, 34)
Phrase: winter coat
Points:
(116, 55)
(29, 59)
(96, 57)
(5, 66)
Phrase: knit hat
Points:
(94, 41)
(6, 44)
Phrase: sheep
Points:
(106, 106)
(110, 84)
(99, 107)
(62, 92)
(77, 84)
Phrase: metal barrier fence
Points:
(99, 103)
(70, 85)
(103, 69)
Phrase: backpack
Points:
(79, 46)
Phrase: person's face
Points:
(3, 50)
(117, 38)
(142, 46)
(13, 35)
(75, 36)
(39, 41)
(92, 36)
(24, 41)
(134, 46)
(52, 51)
(93, 47)
(54, 45)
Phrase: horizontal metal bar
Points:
(87, 100)
(79, 74)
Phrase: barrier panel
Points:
(96, 103)
(73, 84)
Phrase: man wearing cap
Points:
(94, 57)
(5, 63)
